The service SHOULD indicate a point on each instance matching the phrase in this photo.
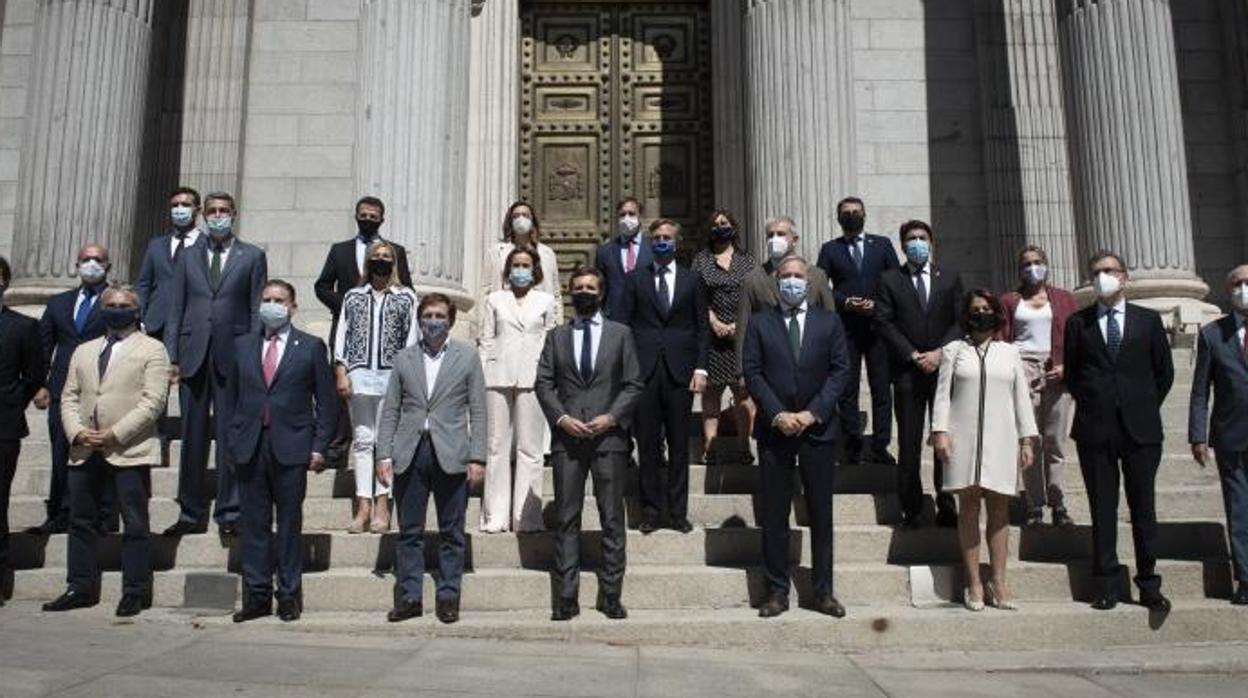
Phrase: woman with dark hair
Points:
(514, 322)
(723, 268)
(521, 230)
(1035, 321)
(982, 426)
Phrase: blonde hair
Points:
(372, 249)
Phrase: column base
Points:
(1179, 300)
(35, 293)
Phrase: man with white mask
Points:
(162, 256)
(1119, 369)
(629, 249)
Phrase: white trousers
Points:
(365, 412)
(515, 418)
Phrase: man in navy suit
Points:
(70, 318)
(282, 408)
(1222, 362)
(854, 263)
(163, 253)
(795, 367)
(665, 305)
(619, 256)
(214, 291)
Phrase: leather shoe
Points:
(185, 528)
(947, 518)
(289, 609)
(648, 525)
(448, 610)
(610, 606)
(70, 600)
(1240, 597)
(910, 522)
(229, 528)
(1061, 519)
(773, 606)
(565, 610)
(405, 609)
(1156, 603)
(880, 456)
(1105, 602)
(255, 607)
(682, 525)
(49, 527)
(133, 604)
(829, 606)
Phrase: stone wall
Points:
(16, 35)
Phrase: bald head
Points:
(93, 250)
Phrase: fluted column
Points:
(1025, 160)
(412, 135)
(1237, 43)
(1128, 162)
(83, 135)
(729, 104)
(800, 123)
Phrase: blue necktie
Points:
(1113, 333)
(587, 349)
(84, 309)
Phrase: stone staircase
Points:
(697, 588)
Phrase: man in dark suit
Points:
(70, 318)
(795, 366)
(215, 288)
(588, 384)
(162, 255)
(1119, 370)
(1222, 362)
(916, 314)
(854, 262)
(665, 306)
(619, 256)
(22, 372)
(282, 408)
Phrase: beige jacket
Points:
(130, 400)
(512, 337)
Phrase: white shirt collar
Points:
(282, 334)
(1121, 307)
(424, 349)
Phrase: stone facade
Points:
(981, 117)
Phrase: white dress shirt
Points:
(433, 364)
(668, 270)
(926, 272)
(635, 243)
(1102, 313)
(801, 320)
(282, 335)
(595, 339)
(1242, 321)
(119, 347)
(225, 250)
(82, 296)
(360, 248)
(192, 236)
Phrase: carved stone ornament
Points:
(566, 46)
(564, 183)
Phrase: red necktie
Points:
(631, 260)
(270, 370)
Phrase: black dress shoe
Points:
(133, 604)
(1240, 597)
(49, 527)
(947, 518)
(610, 606)
(682, 525)
(1105, 602)
(405, 609)
(648, 525)
(230, 528)
(1157, 603)
(879, 455)
(289, 609)
(853, 454)
(565, 610)
(773, 606)
(1061, 519)
(448, 610)
(185, 528)
(829, 606)
(910, 522)
(71, 600)
(255, 607)
(1035, 517)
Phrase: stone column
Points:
(1237, 45)
(1025, 158)
(80, 163)
(1128, 162)
(728, 107)
(800, 118)
(411, 139)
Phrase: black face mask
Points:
(851, 222)
(380, 267)
(119, 318)
(585, 303)
(368, 229)
(983, 322)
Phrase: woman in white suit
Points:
(521, 230)
(982, 427)
(514, 322)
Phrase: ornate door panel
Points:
(615, 102)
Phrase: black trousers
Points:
(609, 471)
(664, 411)
(863, 344)
(913, 394)
(1233, 470)
(814, 463)
(264, 484)
(58, 492)
(88, 484)
(198, 395)
(9, 451)
(412, 488)
(1100, 465)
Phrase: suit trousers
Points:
(664, 412)
(1233, 469)
(88, 484)
(450, 495)
(863, 344)
(58, 491)
(1100, 465)
(264, 484)
(609, 471)
(10, 449)
(814, 463)
(1055, 410)
(365, 414)
(198, 395)
(913, 394)
(515, 418)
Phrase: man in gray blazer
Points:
(1222, 362)
(432, 439)
(215, 296)
(161, 259)
(588, 383)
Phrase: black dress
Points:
(724, 288)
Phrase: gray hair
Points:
(118, 287)
(781, 219)
(790, 259)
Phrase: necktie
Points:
(856, 252)
(921, 287)
(795, 334)
(270, 370)
(1113, 333)
(177, 250)
(105, 355)
(1246, 340)
(214, 271)
(665, 301)
(84, 309)
(587, 350)
(631, 260)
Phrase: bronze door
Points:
(615, 102)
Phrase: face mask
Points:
(723, 233)
(983, 322)
(117, 319)
(521, 277)
(275, 316)
(1239, 297)
(778, 247)
(434, 330)
(628, 226)
(1035, 273)
(663, 248)
(1107, 285)
(851, 222)
(182, 216)
(380, 267)
(220, 228)
(585, 303)
(918, 251)
(792, 291)
(367, 229)
(521, 225)
(91, 272)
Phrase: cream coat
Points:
(130, 401)
(512, 337)
(985, 441)
(496, 259)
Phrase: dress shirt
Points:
(668, 270)
(855, 242)
(1102, 312)
(926, 271)
(801, 317)
(82, 296)
(635, 243)
(119, 346)
(360, 248)
(225, 250)
(595, 339)
(433, 364)
(282, 335)
(192, 236)
(1242, 322)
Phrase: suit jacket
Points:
(302, 401)
(60, 336)
(1129, 389)
(341, 274)
(836, 260)
(614, 388)
(455, 410)
(607, 260)
(22, 371)
(130, 400)
(901, 320)
(512, 337)
(495, 260)
(201, 317)
(1221, 363)
(760, 292)
(155, 277)
(682, 336)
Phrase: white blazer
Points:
(512, 337)
(496, 258)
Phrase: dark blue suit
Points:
(848, 280)
(22, 373)
(781, 382)
(153, 284)
(272, 461)
(608, 260)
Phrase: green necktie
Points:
(795, 334)
(214, 272)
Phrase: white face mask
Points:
(778, 247)
(91, 272)
(1106, 285)
(629, 225)
(1239, 297)
(521, 225)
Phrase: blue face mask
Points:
(274, 316)
(792, 291)
(663, 248)
(723, 233)
(521, 277)
(434, 330)
(182, 216)
(220, 228)
(918, 251)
